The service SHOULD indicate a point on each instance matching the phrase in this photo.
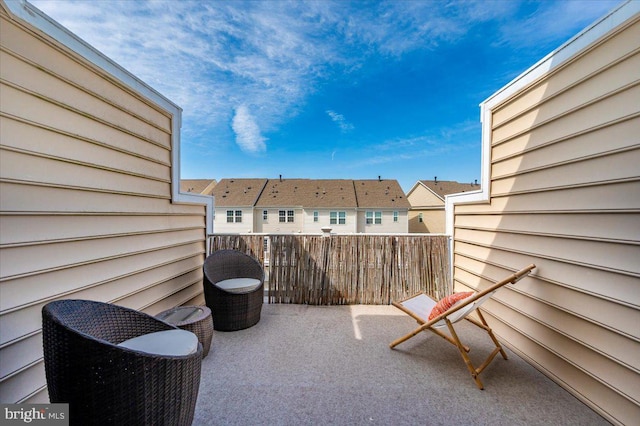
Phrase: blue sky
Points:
(328, 89)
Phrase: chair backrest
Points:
(469, 304)
(462, 313)
(227, 264)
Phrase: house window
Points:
(315, 216)
(285, 216)
(337, 218)
(420, 217)
(395, 217)
(234, 216)
(373, 218)
(265, 215)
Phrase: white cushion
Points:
(168, 342)
(239, 285)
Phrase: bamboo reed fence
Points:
(347, 269)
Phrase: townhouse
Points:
(427, 199)
(310, 205)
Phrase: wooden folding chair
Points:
(420, 306)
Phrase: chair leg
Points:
(483, 325)
(465, 357)
(448, 339)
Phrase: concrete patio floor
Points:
(321, 365)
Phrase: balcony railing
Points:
(346, 269)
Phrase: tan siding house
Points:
(198, 186)
(561, 189)
(426, 197)
(90, 206)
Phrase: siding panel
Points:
(47, 55)
(623, 166)
(621, 258)
(569, 374)
(28, 229)
(612, 197)
(86, 211)
(509, 158)
(610, 109)
(35, 109)
(25, 260)
(612, 227)
(564, 193)
(27, 167)
(593, 62)
(22, 136)
(35, 80)
(623, 289)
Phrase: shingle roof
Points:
(383, 193)
(320, 193)
(197, 186)
(238, 192)
(446, 187)
(310, 193)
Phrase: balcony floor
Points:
(309, 365)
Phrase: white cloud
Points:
(209, 57)
(339, 119)
(247, 131)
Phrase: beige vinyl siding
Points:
(424, 201)
(433, 221)
(565, 195)
(420, 196)
(86, 209)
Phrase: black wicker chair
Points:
(233, 310)
(107, 384)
